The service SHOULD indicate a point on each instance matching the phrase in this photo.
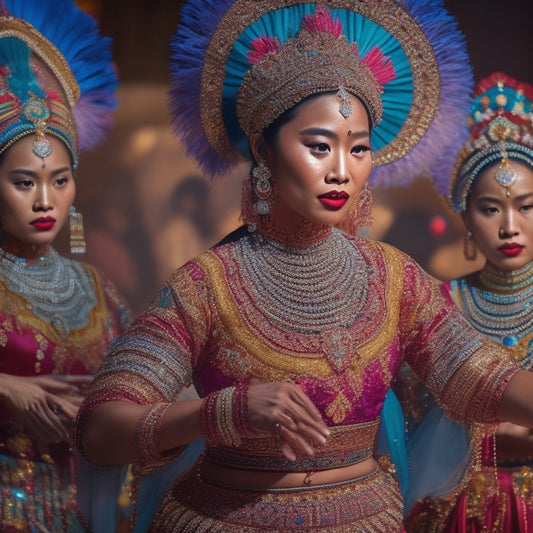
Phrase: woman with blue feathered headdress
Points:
(57, 316)
(290, 329)
(491, 187)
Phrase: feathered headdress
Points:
(501, 128)
(56, 75)
(237, 65)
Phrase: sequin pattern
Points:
(37, 492)
(227, 316)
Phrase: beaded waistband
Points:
(346, 445)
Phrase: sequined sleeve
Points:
(154, 359)
(466, 372)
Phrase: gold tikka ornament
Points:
(502, 130)
(345, 104)
(77, 237)
(36, 110)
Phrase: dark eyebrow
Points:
(32, 174)
(488, 199)
(520, 198)
(523, 197)
(331, 135)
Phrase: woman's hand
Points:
(285, 409)
(47, 405)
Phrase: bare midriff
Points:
(234, 478)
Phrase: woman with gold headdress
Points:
(492, 189)
(290, 329)
(57, 316)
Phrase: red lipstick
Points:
(334, 199)
(43, 223)
(511, 249)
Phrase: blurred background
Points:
(148, 209)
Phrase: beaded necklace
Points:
(499, 305)
(57, 290)
(305, 289)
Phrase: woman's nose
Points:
(509, 226)
(43, 201)
(338, 172)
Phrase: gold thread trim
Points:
(368, 351)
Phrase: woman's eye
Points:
(360, 149)
(488, 210)
(61, 181)
(526, 208)
(24, 184)
(320, 147)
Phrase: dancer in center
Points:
(290, 329)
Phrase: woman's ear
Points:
(258, 147)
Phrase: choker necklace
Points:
(6, 257)
(58, 291)
(499, 304)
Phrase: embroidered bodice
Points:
(337, 317)
(56, 317)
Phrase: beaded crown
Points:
(318, 60)
(56, 76)
(501, 128)
(237, 65)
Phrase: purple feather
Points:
(202, 18)
(436, 152)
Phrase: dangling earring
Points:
(469, 249)
(77, 238)
(360, 214)
(262, 188)
(365, 203)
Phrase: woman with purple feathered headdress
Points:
(57, 316)
(290, 329)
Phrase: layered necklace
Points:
(499, 304)
(305, 289)
(58, 291)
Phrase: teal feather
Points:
(75, 35)
(22, 81)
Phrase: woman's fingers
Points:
(45, 425)
(283, 408)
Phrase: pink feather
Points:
(261, 47)
(380, 65)
(321, 21)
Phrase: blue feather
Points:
(22, 79)
(88, 54)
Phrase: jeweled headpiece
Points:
(56, 76)
(501, 129)
(319, 59)
(237, 65)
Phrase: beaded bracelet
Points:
(224, 416)
(241, 419)
(148, 433)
